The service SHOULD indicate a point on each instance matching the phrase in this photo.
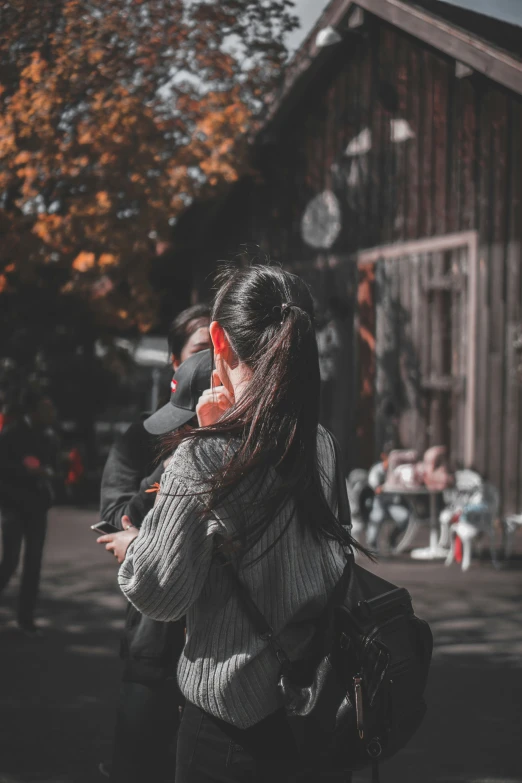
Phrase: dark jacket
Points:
(149, 648)
(132, 467)
(22, 489)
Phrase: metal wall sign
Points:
(321, 221)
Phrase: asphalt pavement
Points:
(58, 693)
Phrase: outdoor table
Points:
(409, 496)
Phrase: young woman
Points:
(256, 481)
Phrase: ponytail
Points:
(268, 316)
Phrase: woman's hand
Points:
(213, 402)
(118, 543)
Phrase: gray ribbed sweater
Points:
(225, 668)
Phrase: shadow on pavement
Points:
(58, 694)
(471, 733)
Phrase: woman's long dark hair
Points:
(267, 314)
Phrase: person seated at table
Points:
(384, 508)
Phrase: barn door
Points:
(424, 326)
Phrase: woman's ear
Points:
(219, 338)
(224, 355)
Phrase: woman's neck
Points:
(240, 377)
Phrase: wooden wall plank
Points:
(512, 402)
(406, 357)
(452, 152)
(426, 144)
(330, 135)
(440, 110)
(467, 133)
(417, 317)
(366, 91)
(455, 363)
(343, 91)
(425, 315)
(464, 345)
(357, 118)
(439, 415)
(385, 150)
(482, 179)
(414, 145)
(367, 308)
(400, 172)
(497, 117)
(384, 340)
(376, 126)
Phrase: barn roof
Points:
(509, 11)
(455, 31)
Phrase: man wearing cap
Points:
(135, 453)
(148, 711)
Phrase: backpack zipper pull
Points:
(357, 681)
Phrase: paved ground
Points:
(57, 694)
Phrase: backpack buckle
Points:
(374, 748)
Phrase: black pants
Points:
(146, 728)
(210, 751)
(30, 528)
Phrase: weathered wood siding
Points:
(460, 171)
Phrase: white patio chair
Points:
(467, 482)
(477, 518)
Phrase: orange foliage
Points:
(103, 200)
(84, 261)
(107, 259)
(102, 145)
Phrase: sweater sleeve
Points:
(167, 565)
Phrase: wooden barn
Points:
(389, 174)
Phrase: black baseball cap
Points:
(188, 384)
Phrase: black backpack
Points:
(357, 698)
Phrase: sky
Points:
(308, 11)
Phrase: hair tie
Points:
(281, 310)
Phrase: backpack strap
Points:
(251, 609)
(261, 625)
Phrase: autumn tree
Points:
(114, 116)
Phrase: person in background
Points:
(188, 333)
(148, 708)
(133, 457)
(28, 466)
